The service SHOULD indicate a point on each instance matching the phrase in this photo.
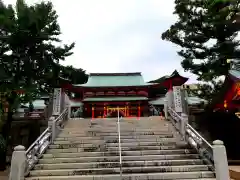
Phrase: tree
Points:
(67, 74)
(75, 75)
(29, 53)
(206, 33)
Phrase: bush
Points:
(2, 144)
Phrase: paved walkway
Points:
(235, 172)
(4, 175)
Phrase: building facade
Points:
(105, 92)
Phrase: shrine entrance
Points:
(104, 110)
(113, 112)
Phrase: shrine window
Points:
(99, 93)
(110, 93)
(131, 93)
(121, 93)
(89, 94)
(142, 93)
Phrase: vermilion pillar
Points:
(139, 111)
(92, 112)
(104, 112)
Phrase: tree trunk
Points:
(5, 133)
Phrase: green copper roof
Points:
(235, 73)
(37, 104)
(158, 101)
(190, 100)
(100, 99)
(114, 80)
(75, 103)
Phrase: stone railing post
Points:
(166, 109)
(50, 121)
(54, 130)
(69, 112)
(220, 161)
(183, 125)
(52, 125)
(18, 163)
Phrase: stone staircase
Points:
(89, 150)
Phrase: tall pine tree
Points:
(29, 54)
(206, 32)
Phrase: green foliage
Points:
(74, 75)
(207, 90)
(207, 38)
(30, 53)
(2, 144)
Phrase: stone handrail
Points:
(204, 148)
(119, 143)
(213, 155)
(191, 136)
(35, 151)
(155, 109)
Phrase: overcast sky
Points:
(119, 35)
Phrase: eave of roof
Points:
(191, 101)
(114, 80)
(116, 74)
(87, 86)
(164, 79)
(234, 74)
(75, 103)
(107, 99)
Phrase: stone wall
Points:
(25, 132)
(219, 125)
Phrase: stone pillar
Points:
(220, 161)
(50, 121)
(54, 130)
(52, 125)
(183, 125)
(184, 97)
(177, 99)
(18, 163)
(169, 96)
(57, 99)
(166, 108)
(69, 112)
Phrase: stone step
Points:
(138, 176)
(122, 125)
(106, 130)
(116, 158)
(143, 163)
(148, 124)
(77, 138)
(103, 149)
(156, 126)
(111, 140)
(128, 136)
(97, 171)
(113, 133)
(113, 144)
(124, 153)
(112, 147)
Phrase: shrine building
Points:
(105, 92)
